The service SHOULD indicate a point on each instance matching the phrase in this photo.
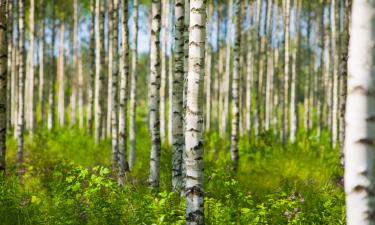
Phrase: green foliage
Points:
(68, 181)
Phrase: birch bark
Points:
(194, 121)
(359, 117)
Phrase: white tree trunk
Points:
(163, 86)
(51, 93)
(114, 5)
(257, 74)
(99, 69)
(154, 96)
(170, 79)
(3, 80)
(110, 56)
(10, 48)
(194, 120)
(74, 87)
(178, 141)
(30, 95)
(286, 72)
(235, 85)
(91, 86)
(249, 72)
(80, 94)
(268, 65)
(344, 72)
(60, 75)
(293, 94)
(21, 85)
(359, 117)
(208, 64)
(123, 165)
(226, 80)
(41, 63)
(335, 97)
(133, 87)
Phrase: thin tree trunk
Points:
(193, 130)
(226, 80)
(178, 138)
(335, 59)
(170, 75)
(235, 85)
(164, 33)
(186, 72)
(3, 80)
(276, 96)
(359, 145)
(154, 96)
(321, 76)
(21, 86)
(344, 71)
(41, 62)
(10, 50)
(80, 93)
(123, 165)
(113, 22)
(90, 94)
(111, 28)
(14, 75)
(74, 85)
(60, 75)
(249, 72)
(99, 69)
(216, 109)
(294, 81)
(286, 73)
(208, 63)
(51, 94)
(329, 73)
(30, 95)
(268, 66)
(256, 81)
(133, 87)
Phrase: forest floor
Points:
(68, 180)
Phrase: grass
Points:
(67, 181)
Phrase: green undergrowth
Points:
(68, 181)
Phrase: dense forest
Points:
(187, 112)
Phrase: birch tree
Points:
(90, 105)
(194, 121)
(10, 49)
(293, 90)
(178, 140)
(163, 81)
(133, 87)
(21, 84)
(154, 95)
(344, 71)
(3, 80)
(208, 58)
(360, 125)
(99, 69)
(123, 166)
(226, 79)
(74, 79)
(286, 72)
(52, 81)
(30, 72)
(60, 76)
(235, 85)
(41, 62)
(334, 57)
(113, 22)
